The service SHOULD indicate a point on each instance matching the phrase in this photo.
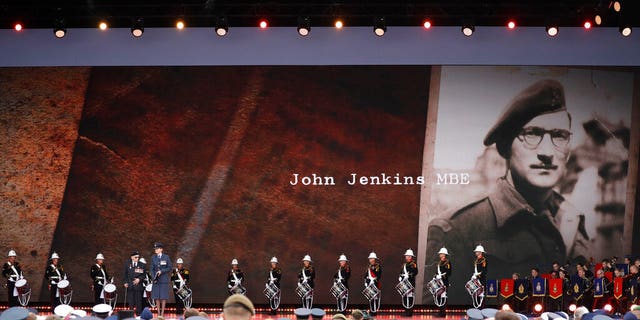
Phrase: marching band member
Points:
(409, 272)
(100, 276)
(134, 273)
(179, 278)
(631, 285)
(275, 275)
(444, 272)
(307, 275)
(533, 299)
(479, 273)
(342, 276)
(234, 278)
(11, 270)
(54, 274)
(602, 295)
(374, 274)
(581, 289)
(160, 269)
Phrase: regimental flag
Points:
(597, 267)
(521, 289)
(555, 288)
(624, 267)
(618, 287)
(609, 275)
(539, 287)
(506, 288)
(492, 288)
(577, 286)
(598, 287)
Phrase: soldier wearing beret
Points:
(522, 219)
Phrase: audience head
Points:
(238, 307)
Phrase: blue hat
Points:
(146, 314)
(317, 313)
(157, 245)
(14, 313)
(489, 312)
(112, 317)
(474, 314)
(302, 313)
(602, 317)
(629, 316)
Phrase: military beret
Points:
(238, 300)
(542, 97)
(317, 313)
(14, 313)
(339, 316)
(302, 313)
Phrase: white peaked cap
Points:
(102, 308)
(179, 260)
(373, 255)
(443, 250)
(274, 260)
(63, 310)
(55, 256)
(343, 258)
(99, 256)
(479, 248)
(409, 252)
(307, 258)
(12, 253)
(234, 261)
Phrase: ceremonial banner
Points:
(618, 287)
(598, 287)
(555, 288)
(577, 286)
(522, 289)
(506, 288)
(539, 286)
(492, 288)
(624, 267)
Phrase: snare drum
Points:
(23, 287)
(474, 287)
(109, 291)
(64, 287)
(404, 287)
(184, 292)
(436, 286)
(303, 289)
(338, 289)
(371, 291)
(270, 290)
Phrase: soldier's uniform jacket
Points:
(514, 235)
(631, 286)
(231, 280)
(374, 273)
(410, 271)
(54, 274)
(132, 272)
(99, 275)
(9, 273)
(179, 281)
(274, 276)
(343, 275)
(445, 270)
(309, 274)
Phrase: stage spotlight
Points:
(597, 19)
(587, 24)
(138, 28)
(511, 24)
(180, 24)
(625, 31)
(468, 30)
(608, 307)
(304, 26)
(537, 308)
(633, 306)
(616, 5)
(59, 28)
(222, 26)
(573, 307)
(506, 307)
(380, 27)
(263, 24)
(338, 24)
(427, 24)
(103, 25)
(552, 31)
(17, 26)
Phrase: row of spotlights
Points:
(304, 27)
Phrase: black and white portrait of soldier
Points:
(520, 202)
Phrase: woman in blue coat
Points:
(161, 271)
